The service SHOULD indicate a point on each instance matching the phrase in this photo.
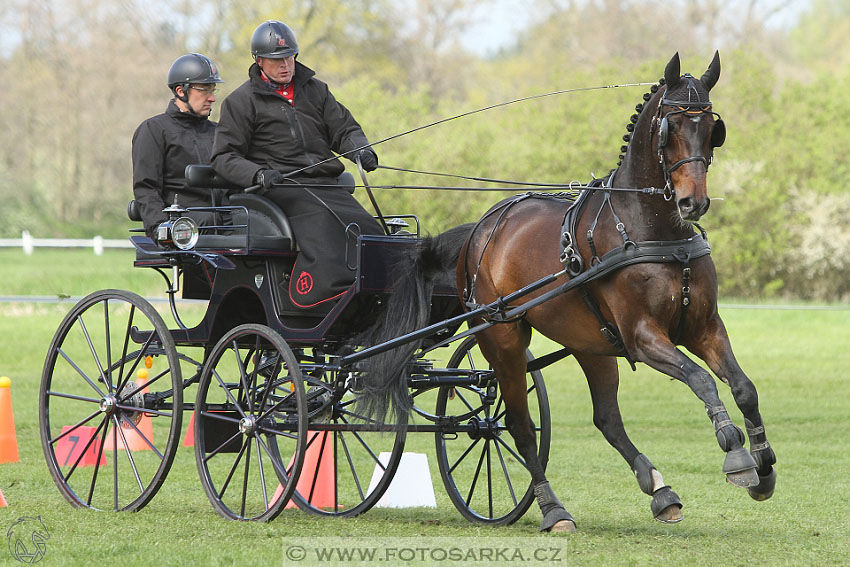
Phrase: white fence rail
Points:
(28, 243)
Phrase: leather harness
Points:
(631, 252)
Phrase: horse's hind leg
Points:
(504, 348)
(716, 351)
(603, 380)
(655, 349)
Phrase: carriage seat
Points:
(269, 228)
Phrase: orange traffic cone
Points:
(135, 441)
(8, 438)
(189, 440)
(316, 484)
(69, 449)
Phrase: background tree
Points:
(78, 76)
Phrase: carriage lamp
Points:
(182, 233)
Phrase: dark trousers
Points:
(326, 222)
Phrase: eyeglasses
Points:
(206, 90)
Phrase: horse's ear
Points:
(671, 72)
(710, 77)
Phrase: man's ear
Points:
(178, 90)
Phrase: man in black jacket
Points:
(282, 129)
(165, 144)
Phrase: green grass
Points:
(53, 272)
(798, 360)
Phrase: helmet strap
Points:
(184, 98)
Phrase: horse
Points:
(656, 289)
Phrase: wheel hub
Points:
(107, 404)
(487, 428)
(247, 425)
(136, 400)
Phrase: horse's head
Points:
(684, 134)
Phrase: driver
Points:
(165, 144)
(283, 120)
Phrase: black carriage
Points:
(274, 387)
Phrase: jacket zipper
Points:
(292, 117)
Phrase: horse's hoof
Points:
(764, 489)
(671, 515)
(566, 526)
(740, 468)
(744, 479)
(666, 506)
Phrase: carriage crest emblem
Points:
(304, 283)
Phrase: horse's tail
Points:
(383, 377)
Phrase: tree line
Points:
(78, 76)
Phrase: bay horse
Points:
(661, 292)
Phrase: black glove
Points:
(268, 177)
(368, 159)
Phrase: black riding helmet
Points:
(191, 68)
(273, 40)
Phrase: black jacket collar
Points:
(174, 112)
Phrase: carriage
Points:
(291, 407)
(272, 385)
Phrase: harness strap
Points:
(609, 330)
(544, 361)
(621, 228)
(570, 256)
(650, 251)
(683, 161)
(469, 290)
(686, 298)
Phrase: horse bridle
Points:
(718, 136)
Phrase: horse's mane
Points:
(630, 127)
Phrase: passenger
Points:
(165, 144)
(283, 120)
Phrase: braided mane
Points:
(634, 118)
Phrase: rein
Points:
(525, 186)
(468, 113)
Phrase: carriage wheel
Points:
(108, 444)
(350, 459)
(485, 477)
(250, 424)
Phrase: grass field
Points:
(797, 358)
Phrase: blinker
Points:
(718, 133)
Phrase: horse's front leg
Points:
(603, 379)
(652, 346)
(715, 349)
(504, 347)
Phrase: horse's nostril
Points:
(691, 208)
